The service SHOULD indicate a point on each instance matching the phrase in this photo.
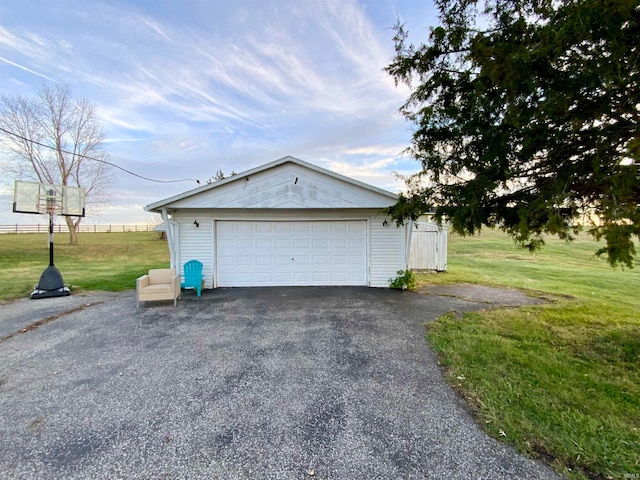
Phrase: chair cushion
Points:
(157, 288)
(161, 275)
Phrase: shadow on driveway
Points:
(335, 383)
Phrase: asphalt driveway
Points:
(291, 383)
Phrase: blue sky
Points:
(186, 88)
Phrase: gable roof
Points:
(284, 183)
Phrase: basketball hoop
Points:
(43, 198)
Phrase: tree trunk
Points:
(73, 229)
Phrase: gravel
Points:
(278, 383)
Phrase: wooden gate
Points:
(428, 249)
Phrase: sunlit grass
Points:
(101, 261)
(559, 381)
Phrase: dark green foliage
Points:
(527, 117)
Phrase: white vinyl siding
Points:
(196, 243)
(387, 251)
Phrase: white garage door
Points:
(259, 253)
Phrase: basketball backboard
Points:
(34, 197)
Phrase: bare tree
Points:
(58, 139)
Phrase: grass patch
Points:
(102, 261)
(558, 381)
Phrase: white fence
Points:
(428, 249)
(62, 228)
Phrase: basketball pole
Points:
(50, 240)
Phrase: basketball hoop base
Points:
(50, 285)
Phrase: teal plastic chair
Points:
(192, 276)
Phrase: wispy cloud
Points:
(22, 67)
(332, 65)
(155, 27)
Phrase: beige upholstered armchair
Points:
(158, 284)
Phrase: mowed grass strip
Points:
(559, 381)
(101, 261)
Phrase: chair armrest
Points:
(142, 282)
(176, 283)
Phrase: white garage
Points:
(286, 223)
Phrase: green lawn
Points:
(559, 381)
(102, 261)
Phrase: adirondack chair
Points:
(192, 276)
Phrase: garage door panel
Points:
(282, 260)
(319, 242)
(255, 253)
(301, 228)
(319, 277)
(338, 260)
(264, 260)
(224, 229)
(241, 260)
(242, 228)
(357, 278)
(263, 276)
(301, 278)
(338, 243)
(282, 227)
(264, 243)
(300, 260)
(357, 227)
(301, 243)
(320, 260)
(283, 243)
(226, 243)
(226, 260)
(236, 277)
